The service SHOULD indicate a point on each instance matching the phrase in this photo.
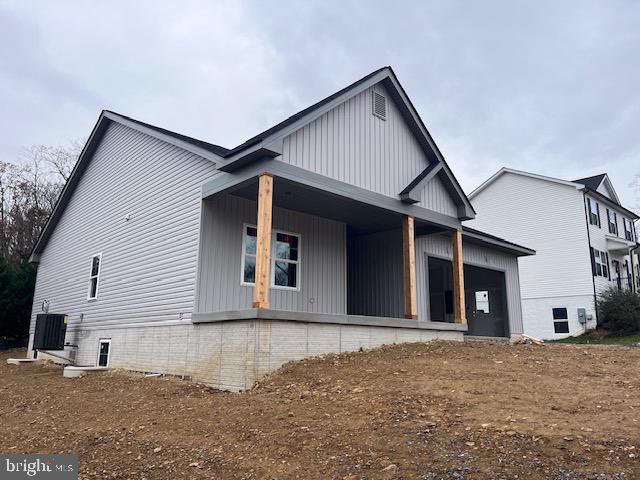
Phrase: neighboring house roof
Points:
(577, 184)
(591, 182)
(268, 144)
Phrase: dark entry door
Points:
(486, 302)
(485, 297)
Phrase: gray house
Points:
(337, 229)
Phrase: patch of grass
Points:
(599, 337)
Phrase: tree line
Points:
(29, 189)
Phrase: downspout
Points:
(635, 251)
(593, 278)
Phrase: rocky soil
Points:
(430, 411)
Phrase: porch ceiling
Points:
(361, 217)
(618, 245)
(313, 193)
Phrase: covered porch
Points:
(286, 244)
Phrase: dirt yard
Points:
(440, 410)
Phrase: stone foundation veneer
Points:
(234, 354)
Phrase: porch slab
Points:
(338, 319)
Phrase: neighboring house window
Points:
(94, 276)
(600, 262)
(612, 219)
(560, 320)
(628, 229)
(285, 258)
(594, 212)
(103, 352)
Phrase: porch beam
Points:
(459, 309)
(409, 262)
(263, 245)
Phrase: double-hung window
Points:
(612, 219)
(594, 212)
(600, 262)
(94, 276)
(285, 258)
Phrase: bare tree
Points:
(28, 193)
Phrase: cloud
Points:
(542, 86)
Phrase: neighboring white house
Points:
(581, 233)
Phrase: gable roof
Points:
(215, 149)
(587, 186)
(592, 182)
(297, 116)
(206, 150)
(268, 144)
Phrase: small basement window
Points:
(94, 276)
(379, 103)
(560, 320)
(103, 352)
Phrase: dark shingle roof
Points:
(215, 149)
(591, 183)
(300, 114)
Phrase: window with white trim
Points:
(628, 229)
(104, 346)
(594, 212)
(613, 222)
(560, 320)
(600, 261)
(285, 258)
(249, 245)
(94, 276)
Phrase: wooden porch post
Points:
(263, 244)
(409, 262)
(459, 310)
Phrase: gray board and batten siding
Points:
(350, 144)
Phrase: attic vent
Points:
(379, 105)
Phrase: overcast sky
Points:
(548, 87)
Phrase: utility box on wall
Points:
(582, 316)
(50, 331)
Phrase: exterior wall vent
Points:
(379, 105)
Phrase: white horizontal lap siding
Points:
(352, 145)
(322, 259)
(148, 265)
(472, 254)
(547, 217)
